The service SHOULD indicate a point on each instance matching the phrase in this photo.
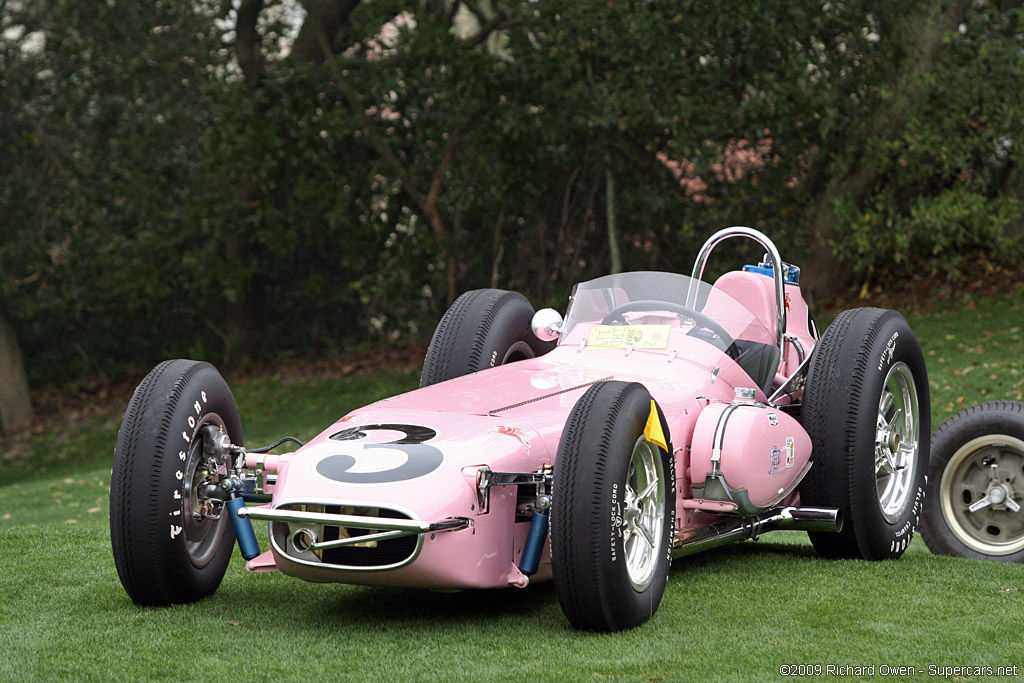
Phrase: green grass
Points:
(974, 353)
(737, 613)
(733, 614)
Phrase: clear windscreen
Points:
(647, 310)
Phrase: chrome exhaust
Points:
(732, 529)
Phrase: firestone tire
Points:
(612, 511)
(484, 328)
(867, 411)
(974, 453)
(163, 553)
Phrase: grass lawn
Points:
(737, 613)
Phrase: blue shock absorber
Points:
(534, 543)
(247, 542)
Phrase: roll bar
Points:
(776, 261)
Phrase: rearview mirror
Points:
(547, 324)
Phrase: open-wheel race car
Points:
(663, 415)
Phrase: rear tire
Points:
(867, 411)
(164, 553)
(975, 452)
(484, 328)
(612, 511)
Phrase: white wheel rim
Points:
(969, 478)
(643, 514)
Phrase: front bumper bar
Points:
(384, 526)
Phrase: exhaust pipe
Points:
(732, 529)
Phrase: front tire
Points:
(167, 549)
(977, 461)
(613, 510)
(867, 411)
(484, 328)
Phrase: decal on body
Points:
(775, 461)
(404, 458)
(516, 433)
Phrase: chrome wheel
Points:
(981, 494)
(643, 516)
(897, 440)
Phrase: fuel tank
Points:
(748, 454)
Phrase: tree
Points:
(15, 400)
(247, 179)
(940, 175)
(98, 109)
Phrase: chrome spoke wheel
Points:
(644, 513)
(981, 494)
(897, 440)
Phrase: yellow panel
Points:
(653, 431)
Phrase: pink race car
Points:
(669, 416)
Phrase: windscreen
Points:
(656, 303)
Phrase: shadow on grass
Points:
(335, 605)
(414, 606)
(338, 606)
(723, 557)
(399, 608)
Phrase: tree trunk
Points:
(613, 230)
(247, 42)
(15, 400)
(330, 16)
(922, 35)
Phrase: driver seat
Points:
(759, 359)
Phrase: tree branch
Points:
(322, 16)
(497, 24)
(426, 202)
(374, 135)
(449, 152)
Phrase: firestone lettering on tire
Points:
(176, 497)
(911, 526)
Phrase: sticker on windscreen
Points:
(629, 336)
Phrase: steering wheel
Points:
(703, 322)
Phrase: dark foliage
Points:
(187, 179)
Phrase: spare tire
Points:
(975, 502)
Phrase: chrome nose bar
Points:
(385, 527)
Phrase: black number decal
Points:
(421, 459)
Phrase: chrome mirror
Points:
(547, 324)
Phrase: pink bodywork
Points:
(510, 419)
